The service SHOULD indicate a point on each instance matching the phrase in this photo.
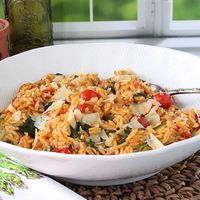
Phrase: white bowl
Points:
(169, 68)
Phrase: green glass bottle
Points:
(30, 24)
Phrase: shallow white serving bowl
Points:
(169, 68)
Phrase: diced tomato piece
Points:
(186, 135)
(143, 121)
(64, 150)
(84, 107)
(88, 94)
(164, 99)
(137, 85)
(49, 90)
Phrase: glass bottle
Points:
(30, 24)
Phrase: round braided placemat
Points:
(181, 181)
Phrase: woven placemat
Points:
(181, 181)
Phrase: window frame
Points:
(172, 27)
(108, 29)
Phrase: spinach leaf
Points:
(74, 132)
(91, 144)
(142, 146)
(108, 117)
(58, 74)
(111, 87)
(47, 105)
(28, 127)
(85, 127)
(140, 94)
(126, 133)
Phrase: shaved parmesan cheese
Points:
(141, 108)
(62, 93)
(122, 78)
(58, 78)
(154, 102)
(134, 123)
(103, 135)
(154, 142)
(110, 97)
(40, 121)
(54, 85)
(43, 87)
(16, 116)
(95, 138)
(11, 109)
(91, 119)
(153, 117)
(78, 115)
(108, 141)
(71, 118)
(55, 105)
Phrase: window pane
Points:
(70, 10)
(1, 10)
(110, 10)
(186, 9)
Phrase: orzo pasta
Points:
(83, 114)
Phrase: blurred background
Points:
(111, 10)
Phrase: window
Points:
(181, 18)
(103, 19)
(124, 18)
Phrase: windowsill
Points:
(188, 44)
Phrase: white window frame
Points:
(108, 29)
(166, 26)
(155, 18)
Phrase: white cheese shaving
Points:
(141, 108)
(58, 78)
(71, 118)
(134, 123)
(95, 138)
(16, 116)
(91, 119)
(153, 117)
(154, 142)
(122, 78)
(40, 121)
(43, 87)
(78, 115)
(110, 97)
(54, 85)
(11, 109)
(55, 105)
(103, 135)
(62, 93)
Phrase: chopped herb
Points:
(157, 127)
(91, 144)
(74, 132)
(28, 127)
(108, 117)
(142, 146)
(47, 105)
(85, 127)
(140, 94)
(111, 87)
(127, 131)
(59, 74)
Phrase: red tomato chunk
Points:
(88, 94)
(164, 99)
(85, 107)
(64, 150)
